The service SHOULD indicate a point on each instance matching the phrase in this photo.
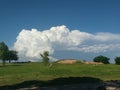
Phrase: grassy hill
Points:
(13, 74)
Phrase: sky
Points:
(76, 29)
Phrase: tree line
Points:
(6, 54)
(9, 55)
(106, 60)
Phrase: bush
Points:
(45, 58)
(102, 59)
(117, 60)
(79, 62)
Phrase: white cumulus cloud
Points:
(30, 43)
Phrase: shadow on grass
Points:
(54, 82)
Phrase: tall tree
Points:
(102, 59)
(12, 55)
(45, 58)
(3, 52)
(117, 60)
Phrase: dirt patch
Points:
(72, 61)
(67, 61)
(93, 63)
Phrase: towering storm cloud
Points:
(30, 43)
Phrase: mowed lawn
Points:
(17, 73)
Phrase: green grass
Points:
(17, 73)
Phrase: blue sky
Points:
(89, 16)
(85, 15)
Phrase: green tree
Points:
(12, 55)
(117, 60)
(102, 59)
(45, 58)
(3, 52)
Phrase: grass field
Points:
(13, 74)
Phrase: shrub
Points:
(102, 59)
(79, 62)
(117, 60)
(45, 58)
